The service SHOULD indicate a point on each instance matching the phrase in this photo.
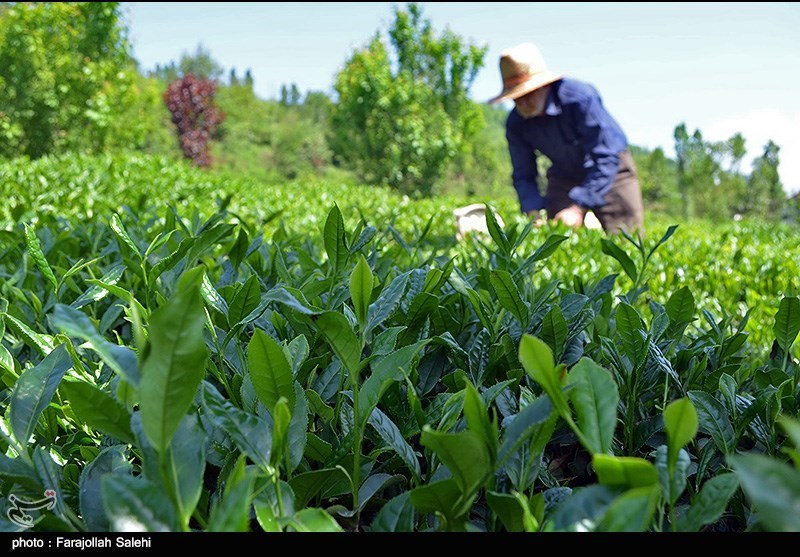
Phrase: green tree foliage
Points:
(68, 81)
(402, 119)
(765, 190)
(658, 177)
(272, 142)
(199, 63)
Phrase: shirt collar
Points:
(553, 104)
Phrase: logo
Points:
(17, 513)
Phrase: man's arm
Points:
(525, 173)
(603, 140)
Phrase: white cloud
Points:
(759, 126)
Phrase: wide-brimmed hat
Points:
(523, 70)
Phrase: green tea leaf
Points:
(680, 421)
(610, 248)
(397, 515)
(708, 505)
(42, 343)
(137, 505)
(231, 512)
(269, 370)
(714, 420)
(334, 239)
(773, 488)
(337, 331)
(175, 364)
(554, 330)
(75, 323)
(122, 235)
(787, 322)
(251, 433)
(496, 232)
(281, 416)
(110, 461)
(35, 249)
(212, 297)
(537, 359)
(595, 398)
(508, 295)
(34, 390)
(673, 477)
(308, 485)
(388, 370)
(245, 300)
(632, 511)
(680, 307)
(314, 520)
(535, 422)
(443, 497)
(98, 410)
(624, 471)
(508, 509)
(361, 290)
(465, 455)
(393, 437)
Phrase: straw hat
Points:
(523, 70)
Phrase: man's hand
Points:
(571, 216)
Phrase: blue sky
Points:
(721, 68)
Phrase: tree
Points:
(765, 188)
(401, 117)
(200, 64)
(66, 77)
(196, 117)
(658, 177)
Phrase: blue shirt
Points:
(576, 133)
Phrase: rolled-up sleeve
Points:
(603, 144)
(525, 174)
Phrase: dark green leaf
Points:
(714, 420)
(110, 461)
(388, 370)
(595, 398)
(174, 366)
(508, 509)
(34, 390)
(35, 249)
(787, 322)
(75, 323)
(397, 515)
(98, 410)
(610, 248)
(231, 511)
(710, 503)
(680, 307)
(334, 239)
(136, 505)
(393, 437)
(270, 371)
(508, 295)
(465, 455)
(632, 511)
(773, 488)
(536, 421)
(251, 434)
(673, 477)
(336, 329)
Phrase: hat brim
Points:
(535, 82)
